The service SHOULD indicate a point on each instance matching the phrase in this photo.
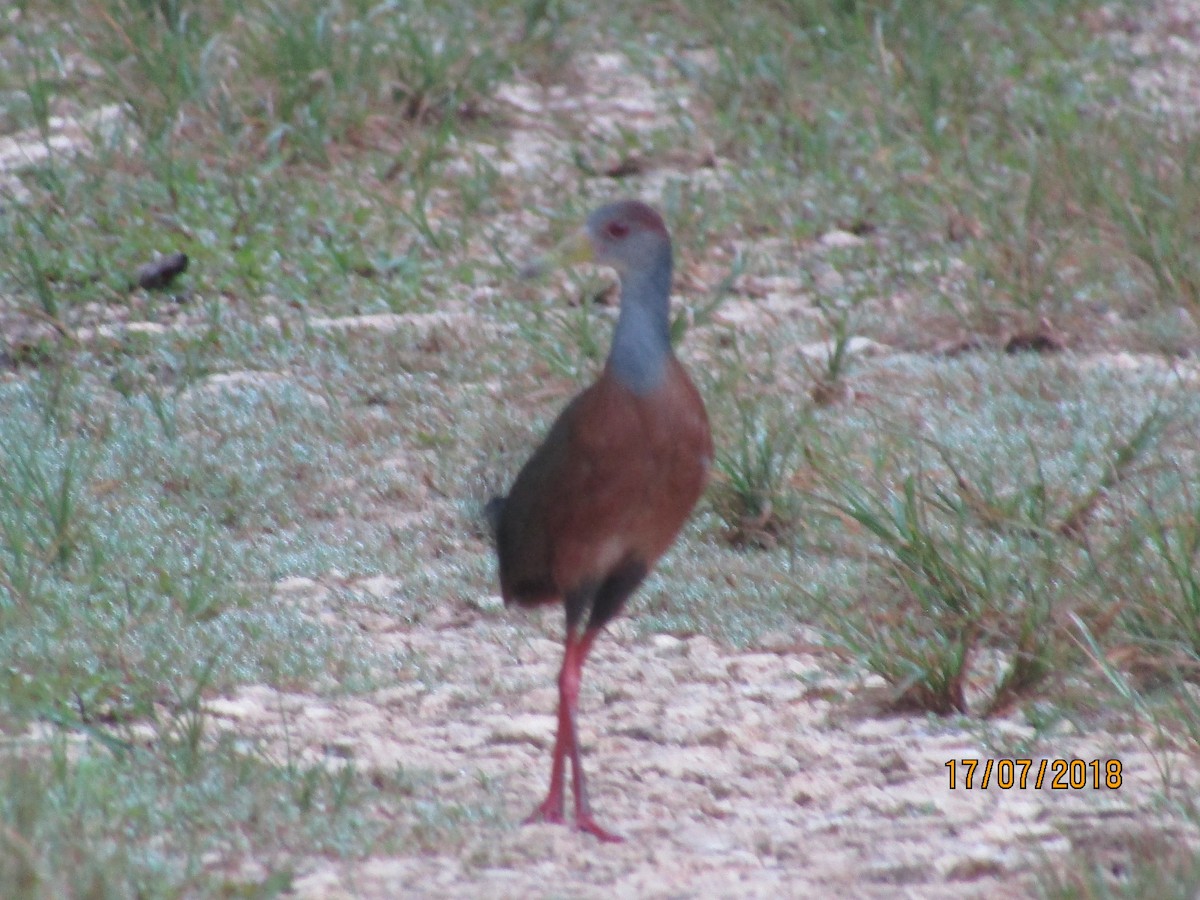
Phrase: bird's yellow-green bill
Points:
(575, 249)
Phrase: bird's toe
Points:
(549, 810)
(588, 824)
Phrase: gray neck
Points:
(641, 343)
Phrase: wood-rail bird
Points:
(606, 493)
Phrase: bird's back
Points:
(612, 483)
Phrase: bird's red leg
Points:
(583, 811)
(566, 742)
(551, 809)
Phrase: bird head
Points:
(627, 235)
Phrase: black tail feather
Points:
(493, 510)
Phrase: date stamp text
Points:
(1056, 774)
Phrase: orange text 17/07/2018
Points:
(1056, 774)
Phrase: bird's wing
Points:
(563, 517)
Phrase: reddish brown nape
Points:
(644, 216)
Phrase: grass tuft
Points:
(752, 492)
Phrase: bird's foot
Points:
(549, 810)
(588, 824)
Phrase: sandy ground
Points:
(751, 774)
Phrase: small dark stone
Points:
(162, 271)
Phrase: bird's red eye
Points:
(616, 230)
